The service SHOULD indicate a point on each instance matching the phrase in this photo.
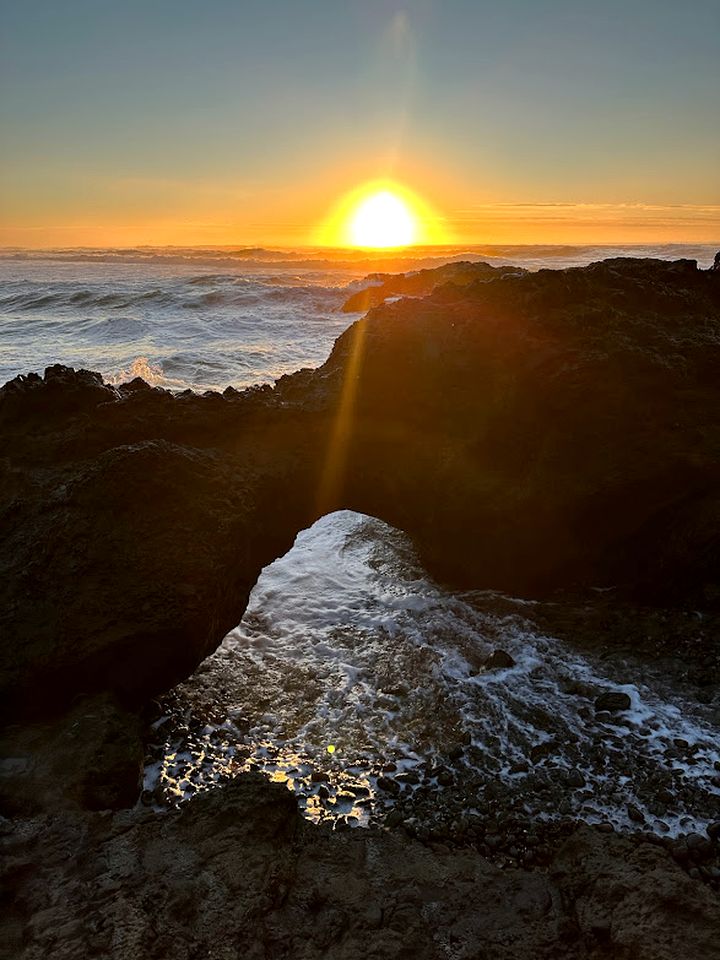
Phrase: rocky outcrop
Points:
(420, 283)
(238, 873)
(552, 430)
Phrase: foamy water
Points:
(346, 644)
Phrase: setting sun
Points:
(383, 220)
(381, 214)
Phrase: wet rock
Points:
(713, 830)
(635, 815)
(499, 660)
(575, 779)
(388, 785)
(700, 848)
(613, 702)
(394, 819)
(410, 776)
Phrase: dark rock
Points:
(394, 819)
(713, 830)
(700, 848)
(499, 660)
(92, 758)
(388, 785)
(422, 282)
(575, 779)
(613, 702)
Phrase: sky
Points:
(245, 122)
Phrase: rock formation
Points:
(533, 433)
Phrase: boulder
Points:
(613, 702)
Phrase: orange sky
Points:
(225, 123)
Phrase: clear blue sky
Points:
(250, 116)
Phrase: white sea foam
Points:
(346, 642)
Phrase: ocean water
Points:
(350, 663)
(208, 318)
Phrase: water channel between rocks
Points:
(376, 696)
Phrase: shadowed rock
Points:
(238, 873)
(419, 283)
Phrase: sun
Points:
(383, 220)
(381, 215)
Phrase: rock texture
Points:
(238, 874)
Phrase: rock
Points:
(700, 848)
(613, 702)
(713, 830)
(388, 785)
(575, 779)
(394, 819)
(635, 815)
(499, 660)
(92, 758)
(422, 282)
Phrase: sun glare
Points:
(382, 220)
(381, 215)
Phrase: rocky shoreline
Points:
(543, 434)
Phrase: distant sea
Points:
(206, 318)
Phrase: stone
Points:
(713, 830)
(613, 702)
(499, 660)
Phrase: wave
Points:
(151, 373)
(240, 294)
(347, 259)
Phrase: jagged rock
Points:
(419, 283)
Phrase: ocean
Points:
(353, 678)
(204, 318)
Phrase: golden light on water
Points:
(381, 215)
